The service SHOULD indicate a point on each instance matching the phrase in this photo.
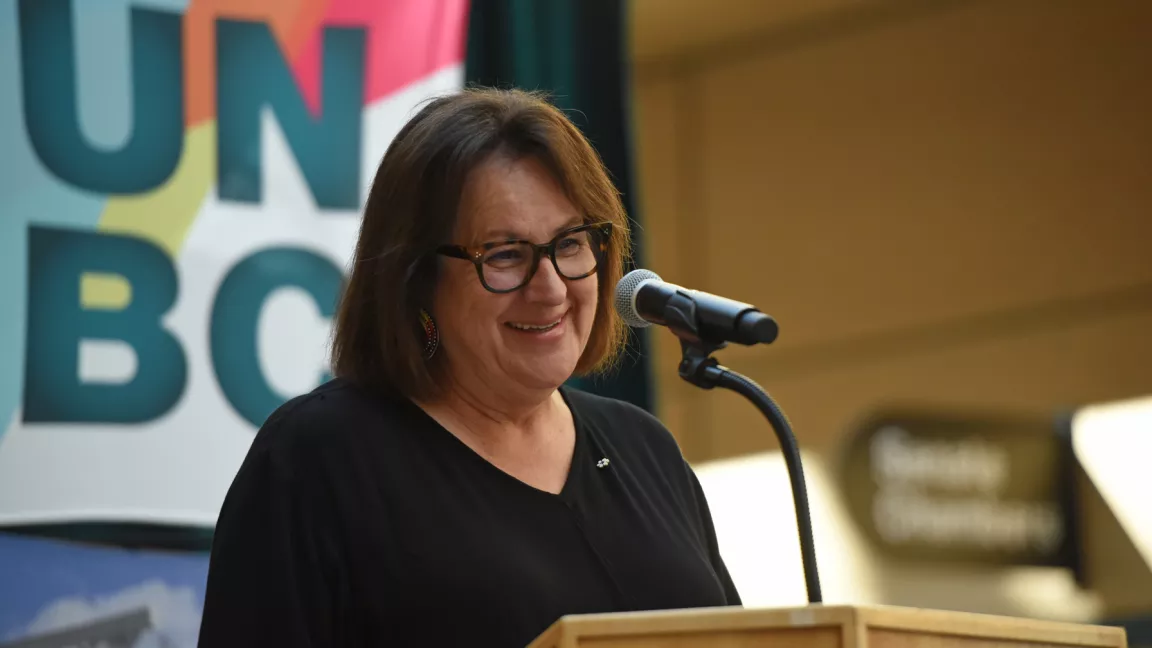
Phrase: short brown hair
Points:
(412, 209)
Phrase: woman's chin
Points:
(545, 375)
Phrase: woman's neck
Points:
(497, 418)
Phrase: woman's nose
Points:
(546, 285)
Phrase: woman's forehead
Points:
(513, 199)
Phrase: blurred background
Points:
(945, 204)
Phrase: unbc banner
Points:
(179, 197)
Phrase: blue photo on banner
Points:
(57, 594)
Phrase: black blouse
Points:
(359, 521)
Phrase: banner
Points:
(181, 192)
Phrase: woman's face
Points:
(529, 339)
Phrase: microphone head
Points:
(626, 290)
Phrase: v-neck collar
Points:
(571, 481)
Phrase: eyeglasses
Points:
(505, 266)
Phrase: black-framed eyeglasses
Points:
(505, 266)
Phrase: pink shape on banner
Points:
(406, 41)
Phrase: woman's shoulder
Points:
(334, 414)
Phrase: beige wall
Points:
(949, 207)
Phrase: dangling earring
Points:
(431, 334)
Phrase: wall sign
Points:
(960, 489)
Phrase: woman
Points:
(446, 488)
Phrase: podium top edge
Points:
(860, 617)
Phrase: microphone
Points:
(705, 323)
(643, 299)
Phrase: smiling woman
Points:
(446, 486)
(471, 171)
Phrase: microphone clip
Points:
(696, 366)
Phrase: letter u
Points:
(51, 109)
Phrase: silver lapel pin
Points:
(603, 463)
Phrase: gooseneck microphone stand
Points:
(699, 368)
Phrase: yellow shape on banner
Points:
(112, 291)
(162, 216)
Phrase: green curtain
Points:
(577, 51)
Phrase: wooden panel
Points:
(661, 204)
(819, 623)
(818, 626)
(978, 158)
(881, 191)
(1044, 371)
(897, 639)
(769, 638)
(671, 28)
(893, 627)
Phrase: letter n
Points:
(251, 74)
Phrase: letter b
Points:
(53, 392)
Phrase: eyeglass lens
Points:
(506, 267)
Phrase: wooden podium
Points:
(819, 626)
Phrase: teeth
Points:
(530, 327)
